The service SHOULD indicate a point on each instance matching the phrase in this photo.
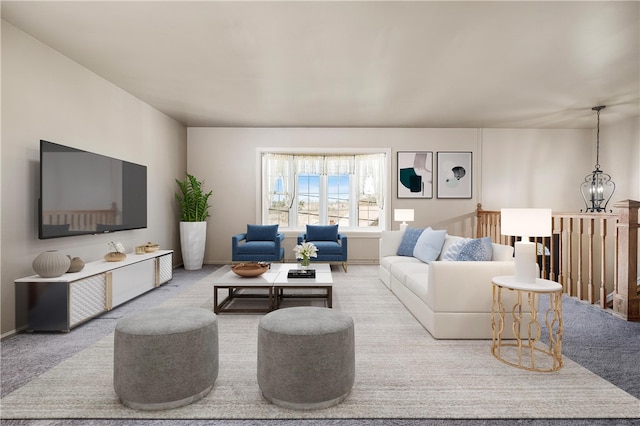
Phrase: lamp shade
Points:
(525, 223)
(403, 215)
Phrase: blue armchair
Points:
(261, 243)
(332, 246)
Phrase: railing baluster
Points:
(590, 291)
(580, 231)
(603, 262)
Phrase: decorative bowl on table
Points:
(151, 247)
(248, 270)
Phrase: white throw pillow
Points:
(429, 245)
(502, 252)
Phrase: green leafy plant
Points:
(193, 201)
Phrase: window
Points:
(320, 189)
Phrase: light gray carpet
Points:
(401, 372)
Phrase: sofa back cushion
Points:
(469, 249)
(478, 249)
(262, 232)
(322, 233)
(451, 247)
(429, 245)
(409, 240)
(502, 252)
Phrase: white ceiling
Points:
(356, 64)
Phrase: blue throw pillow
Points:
(479, 249)
(409, 240)
(322, 232)
(262, 232)
(429, 245)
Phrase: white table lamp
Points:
(404, 215)
(526, 223)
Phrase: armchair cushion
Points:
(262, 232)
(322, 233)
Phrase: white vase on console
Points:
(51, 264)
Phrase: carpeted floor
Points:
(397, 361)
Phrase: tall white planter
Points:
(192, 241)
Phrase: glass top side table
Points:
(537, 346)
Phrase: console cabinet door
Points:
(165, 268)
(132, 280)
(87, 298)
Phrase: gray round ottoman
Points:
(306, 357)
(165, 357)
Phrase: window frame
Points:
(262, 184)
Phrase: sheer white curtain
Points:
(370, 169)
(339, 164)
(279, 167)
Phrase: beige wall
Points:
(512, 167)
(534, 168)
(47, 96)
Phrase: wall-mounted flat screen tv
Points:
(87, 193)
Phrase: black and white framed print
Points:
(415, 174)
(454, 174)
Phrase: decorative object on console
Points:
(305, 252)
(252, 269)
(404, 215)
(194, 203)
(117, 253)
(525, 223)
(597, 187)
(76, 265)
(151, 247)
(51, 264)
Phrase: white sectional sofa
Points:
(452, 299)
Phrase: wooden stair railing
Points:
(593, 255)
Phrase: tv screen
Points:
(86, 193)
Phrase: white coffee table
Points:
(283, 285)
(244, 288)
(273, 287)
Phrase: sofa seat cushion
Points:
(418, 283)
(328, 247)
(388, 261)
(402, 269)
(257, 247)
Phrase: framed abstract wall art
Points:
(454, 174)
(415, 174)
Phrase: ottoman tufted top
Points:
(306, 320)
(161, 321)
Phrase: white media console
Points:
(61, 303)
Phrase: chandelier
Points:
(597, 187)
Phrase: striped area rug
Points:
(401, 372)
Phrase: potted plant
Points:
(194, 205)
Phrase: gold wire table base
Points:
(528, 350)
